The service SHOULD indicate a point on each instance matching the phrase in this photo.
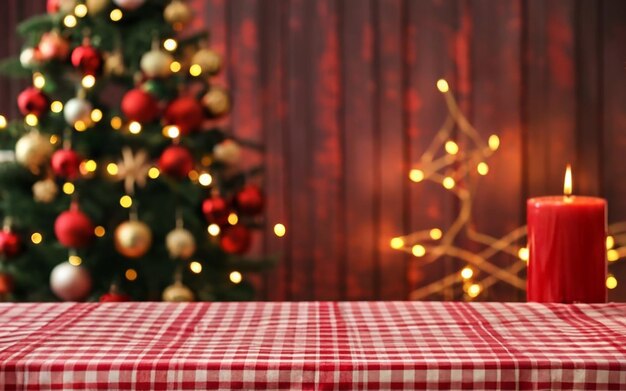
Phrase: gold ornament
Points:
(209, 61)
(156, 63)
(97, 6)
(133, 169)
(216, 101)
(45, 190)
(177, 292)
(133, 238)
(32, 150)
(114, 64)
(178, 14)
(180, 243)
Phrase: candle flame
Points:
(567, 183)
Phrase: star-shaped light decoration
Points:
(133, 169)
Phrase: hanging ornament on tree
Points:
(97, 6)
(133, 169)
(177, 292)
(129, 5)
(114, 296)
(209, 61)
(10, 243)
(114, 64)
(180, 243)
(249, 200)
(77, 109)
(30, 57)
(132, 238)
(65, 6)
(236, 239)
(216, 101)
(87, 59)
(186, 113)
(32, 150)
(66, 163)
(73, 228)
(178, 14)
(69, 282)
(156, 63)
(45, 190)
(227, 152)
(176, 161)
(6, 283)
(32, 101)
(138, 105)
(216, 210)
(53, 46)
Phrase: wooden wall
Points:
(342, 94)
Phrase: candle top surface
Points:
(566, 200)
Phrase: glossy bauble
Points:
(209, 61)
(6, 283)
(66, 163)
(33, 101)
(156, 63)
(30, 57)
(32, 150)
(97, 6)
(249, 200)
(65, 6)
(227, 152)
(176, 161)
(45, 190)
(138, 105)
(10, 244)
(217, 102)
(180, 243)
(77, 109)
(69, 282)
(178, 14)
(186, 113)
(129, 5)
(216, 210)
(73, 228)
(235, 239)
(87, 59)
(53, 46)
(177, 292)
(114, 296)
(133, 239)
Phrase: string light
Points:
(233, 219)
(116, 15)
(467, 273)
(175, 67)
(130, 274)
(56, 106)
(451, 147)
(171, 131)
(612, 255)
(31, 120)
(112, 169)
(80, 126)
(494, 142)
(195, 70)
(36, 238)
(99, 231)
(96, 115)
(39, 81)
(280, 230)
(474, 290)
(611, 282)
(126, 201)
(418, 250)
(3, 122)
(523, 254)
(54, 139)
(80, 10)
(205, 179)
(75, 260)
(442, 85)
(116, 123)
(448, 182)
(153, 172)
(68, 188)
(435, 234)
(482, 168)
(416, 175)
(134, 127)
(195, 267)
(193, 175)
(610, 242)
(170, 44)
(88, 81)
(213, 229)
(235, 277)
(396, 243)
(91, 165)
(70, 21)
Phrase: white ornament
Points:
(69, 282)
(210, 62)
(129, 5)
(33, 150)
(29, 58)
(77, 109)
(227, 152)
(180, 243)
(156, 63)
(45, 190)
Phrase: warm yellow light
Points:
(112, 169)
(31, 120)
(416, 175)
(80, 126)
(80, 10)
(494, 142)
(126, 201)
(567, 182)
(88, 81)
(193, 175)
(68, 188)
(474, 290)
(195, 70)
(131, 274)
(36, 238)
(442, 85)
(213, 229)
(448, 182)
(396, 243)
(171, 131)
(134, 127)
(39, 81)
(170, 44)
(418, 250)
(610, 242)
(206, 160)
(96, 115)
(451, 147)
(482, 168)
(3, 122)
(280, 230)
(70, 21)
(611, 282)
(99, 231)
(56, 106)
(233, 219)
(235, 277)
(74, 260)
(116, 123)
(523, 254)
(436, 234)
(175, 66)
(54, 139)
(116, 15)
(195, 267)
(153, 172)
(91, 165)
(612, 255)
(205, 179)
(467, 273)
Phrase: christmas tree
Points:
(117, 182)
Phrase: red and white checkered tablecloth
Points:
(358, 345)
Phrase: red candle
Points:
(567, 248)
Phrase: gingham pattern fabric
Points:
(352, 346)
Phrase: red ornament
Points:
(176, 161)
(66, 163)
(236, 239)
(73, 228)
(216, 210)
(114, 297)
(10, 243)
(250, 200)
(52, 45)
(6, 283)
(186, 113)
(32, 101)
(138, 105)
(87, 59)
